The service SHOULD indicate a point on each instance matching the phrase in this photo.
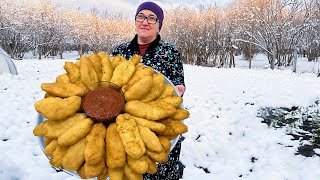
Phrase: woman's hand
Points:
(180, 89)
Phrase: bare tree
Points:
(281, 23)
(206, 35)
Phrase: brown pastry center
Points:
(103, 104)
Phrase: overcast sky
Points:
(128, 7)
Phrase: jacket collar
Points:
(135, 47)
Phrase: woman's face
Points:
(149, 27)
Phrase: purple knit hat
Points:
(154, 8)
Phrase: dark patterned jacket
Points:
(160, 55)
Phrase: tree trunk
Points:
(273, 56)
(60, 50)
(295, 59)
(250, 55)
(231, 58)
(39, 52)
(81, 50)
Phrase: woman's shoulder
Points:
(120, 49)
(167, 45)
(122, 45)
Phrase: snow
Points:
(225, 135)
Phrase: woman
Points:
(164, 58)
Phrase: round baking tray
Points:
(40, 119)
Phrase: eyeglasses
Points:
(150, 19)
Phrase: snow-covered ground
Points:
(225, 137)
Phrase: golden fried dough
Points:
(150, 139)
(175, 100)
(107, 69)
(123, 73)
(172, 137)
(116, 173)
(73, 72)
(167, 91)
(104, 175)
(57, 156)
(75, 132)
(149, 111)
(74, 156)
(96, 62)
(123, 59)
(156, 90)
(78, 63)
(115, 153)
(139, 165)
(125, 177)
(152, 125)
(180, 114)
(137, 75)
(87, 72)
(53, 129)
(173, 127)
(47, 141)
(160, 157)
(95, 145)
(164, 105)
(132, 175)
(63, 78)
(152, 166)
(135, 59)
(62, 89)
(48, 95)
(87, 170)
(130, 136)
(102, 55)
(50, 148)
(55, 108)
(38, 130)
(139, 89)
(117, 60)
(141, 66)
(165, 142)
